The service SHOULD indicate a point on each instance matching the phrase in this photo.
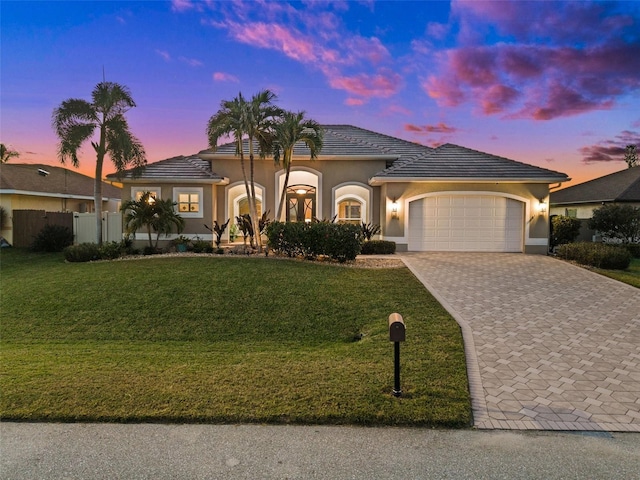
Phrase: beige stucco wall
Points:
(536, 228)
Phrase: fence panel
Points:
(84, 229)
(28, 223)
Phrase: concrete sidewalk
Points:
(549, 346)
(115, 451)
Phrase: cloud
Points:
(429, 129)
(383, 84)
(555, 59)
(313, 34)
(192, 62)
(354, 102)
(610, 150)
(182, 5)
(224, 77)
(164, 54)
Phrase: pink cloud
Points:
(441, 127)
(164, 54)
(558, 60)
(610, 150)
(224, 77)
(192, 62)
(182, 5)
(383, 84)
(354, 102)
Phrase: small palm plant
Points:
(218, 231)
(154, 214)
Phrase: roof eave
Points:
(377, 181)
(175, 180)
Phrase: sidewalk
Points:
(115, 451)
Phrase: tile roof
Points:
(450, 161)
(25, 177)
(410, 160)
(344, 141)
(623, 186)
(176, 168)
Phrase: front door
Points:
(301, 203)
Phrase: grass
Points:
(631, 275)
(215, 339)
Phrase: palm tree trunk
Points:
(97, 190)
(252, 202)
(283, 195)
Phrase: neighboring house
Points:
(53, 189)
(580, 200)
(445, 199)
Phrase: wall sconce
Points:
(394, 208)
(542, 207)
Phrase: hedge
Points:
(378, 247)
(597, 255)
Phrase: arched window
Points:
(301, 203)
(350, 211)
(243, 206)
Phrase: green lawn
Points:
(219, 339)
(631, 275)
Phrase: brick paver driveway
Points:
(549, 345)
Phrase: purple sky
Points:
(554, 84)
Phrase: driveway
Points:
(549, 346)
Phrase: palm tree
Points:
(253, 119)
(6, 154)
(154, 214)
(77, 120)
(290, 129)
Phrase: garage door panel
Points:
(466, 223)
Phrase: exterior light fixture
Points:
(542, 207)
(394, 208)
(301, 191)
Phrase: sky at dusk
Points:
(553, 84)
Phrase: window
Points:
(572, 212)
(189, 202)
(350, 211)
(243, 207)
(137, 192)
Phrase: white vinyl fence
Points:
(84, 227)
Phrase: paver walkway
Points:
(549, 346)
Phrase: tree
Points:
(156, 215)
(253, 119)
(631, 156)
(288, 130)
(564, 229)
(77, 120)
(6, 153)
(620, 222)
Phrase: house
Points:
(53, 189)
(580, 200)
(448, 198)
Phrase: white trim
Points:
(188, 190)
(279, 179)
(367, 203)
(54, 195)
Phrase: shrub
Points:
(369, 230)
(52, 238)
(85, 252)
(111, 250)
(339, 241)
(617, 221)
(634, 249)
(564, 230)
(597, 255)
(202, 246)
(378, 247)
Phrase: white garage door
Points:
(466, 223)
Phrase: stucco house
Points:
(579, 201)
(448, 198)
(26, 186)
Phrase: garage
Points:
(469, 223)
